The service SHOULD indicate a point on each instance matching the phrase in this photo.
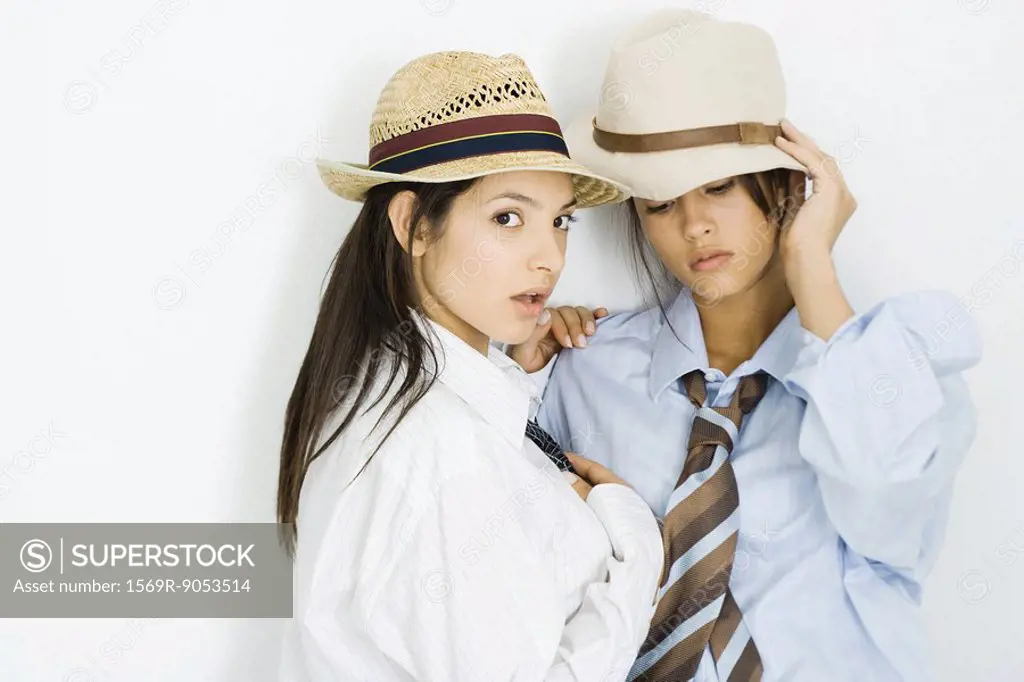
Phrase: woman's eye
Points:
(660, 208)
(722, 188)
(562, 222)
(508, 219)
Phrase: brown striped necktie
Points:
(696, 608)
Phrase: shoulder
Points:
(383, 473)
(439, 437)
(622, 343)
(381, 449)
(635, 325)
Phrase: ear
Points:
(400, 212)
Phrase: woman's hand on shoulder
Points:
(563, 327)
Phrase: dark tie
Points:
(548, 445)
(696, 609)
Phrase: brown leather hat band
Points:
(742, 133)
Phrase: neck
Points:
(444, 316)
(736, 326)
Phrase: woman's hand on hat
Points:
(806, 244)
(822, 216)
(558, 328)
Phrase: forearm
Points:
(814, 284)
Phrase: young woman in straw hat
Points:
(799, 455)
(439, 536)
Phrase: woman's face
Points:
(500, 254)
(714, 239)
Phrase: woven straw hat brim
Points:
(666, 175)
(351, 181)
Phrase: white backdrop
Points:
(165, 236)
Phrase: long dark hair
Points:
(364, 317)
(778, 193)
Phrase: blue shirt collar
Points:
(673, 357)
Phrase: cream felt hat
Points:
(457, 115)
(687, 99)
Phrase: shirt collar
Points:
(673, 356)
(679, 345)
(778, 353)
(495, 387)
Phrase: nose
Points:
(548, 252)
(697, 220)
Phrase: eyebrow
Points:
(516, 196)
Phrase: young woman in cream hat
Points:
(799, 455)
(436, 541)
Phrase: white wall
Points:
(134, 130)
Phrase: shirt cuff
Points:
(630, 524)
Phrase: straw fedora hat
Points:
(457, 115)
(687, 99)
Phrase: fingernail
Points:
(567, 341)
(544, 317)
(570, 477)
(581, 341)
(590, 327)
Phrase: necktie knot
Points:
(752, 389)
(749, 393)
(548, 445)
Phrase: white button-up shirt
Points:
(461, 553)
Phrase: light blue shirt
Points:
(844, 469)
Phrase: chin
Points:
(714, 286)
(514, 334)
(505, 326)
